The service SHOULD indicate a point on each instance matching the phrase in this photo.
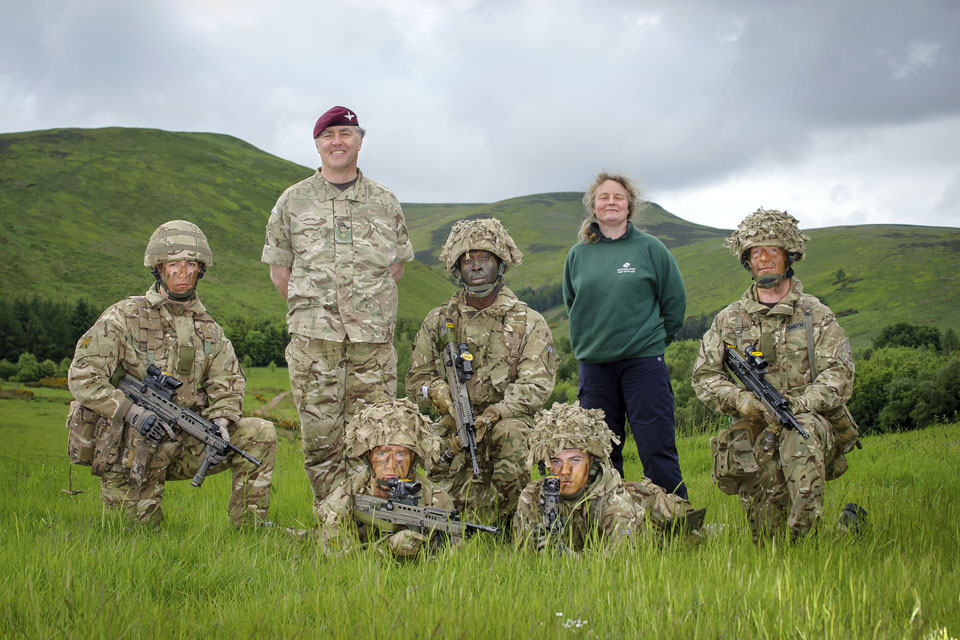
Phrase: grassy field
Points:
(72, 570)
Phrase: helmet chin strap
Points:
(771, 282)
(179, 297)
(483, 290)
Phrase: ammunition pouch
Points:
(733, 459)
(93, 440)
(846, 436)
(81, 434)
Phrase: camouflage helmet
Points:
(396, 422)
(177, 240)
(485, 233)
(566, 426)
(767, 228)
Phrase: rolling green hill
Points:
(77, 207)
(891, 273)
(544, 226)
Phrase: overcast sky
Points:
(842, 112)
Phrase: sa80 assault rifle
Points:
(155, 393)
(552, 524)
(751, 370)
(458, 367)
(402, 510)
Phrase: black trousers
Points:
(638, 390)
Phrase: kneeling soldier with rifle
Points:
(486, 363)
(583, 497)
(138, 426)
(790, 426)
(391, 503)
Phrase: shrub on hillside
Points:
(919, 401)
(900, 388)
(28, 369)
(8, 370)
(904, 334)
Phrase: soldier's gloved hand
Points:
(748, 407)
(439, 396)
(489, 417)
(147, 423)
(222, 426)
(799, 405)
(449, 429)
(406, 543)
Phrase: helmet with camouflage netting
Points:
(487, 234)
(767, 228)
(395, 422)
(566, 426)
(177, 240)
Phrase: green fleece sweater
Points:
(625, 297)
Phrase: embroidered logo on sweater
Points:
(626, 268)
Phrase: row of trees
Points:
(909, 378)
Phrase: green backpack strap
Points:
(515, 329)
(737, 323)
(808, 323)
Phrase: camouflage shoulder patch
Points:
(89, 345)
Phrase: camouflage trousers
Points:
(788, 487)
(135, 485)
(502, 458)
(331, 381)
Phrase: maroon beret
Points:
(335, 117)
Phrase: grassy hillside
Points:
(544, 226)
(892, 273)
(77, 207)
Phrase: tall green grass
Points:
(71, 569)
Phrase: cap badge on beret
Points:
(335, 116)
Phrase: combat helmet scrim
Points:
(566, 426)
(395, 422)
(487, 234)
(768, 228)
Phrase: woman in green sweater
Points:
(625, 298)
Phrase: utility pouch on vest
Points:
(846, 436)
(733, 459)
(109, 445)
(81, 434)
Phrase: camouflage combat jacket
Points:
(336, 511)
(781, 334)
(606, 510)
(339, 246)
(182, 339)
(514, 360)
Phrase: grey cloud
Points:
(478, 101)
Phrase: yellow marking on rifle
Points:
(468, 356)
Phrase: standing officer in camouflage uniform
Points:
(778, 474)
(384, 440)
(336, 243)
(574, 445)
(514, 363)
(168, 327)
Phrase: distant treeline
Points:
(909, 378)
